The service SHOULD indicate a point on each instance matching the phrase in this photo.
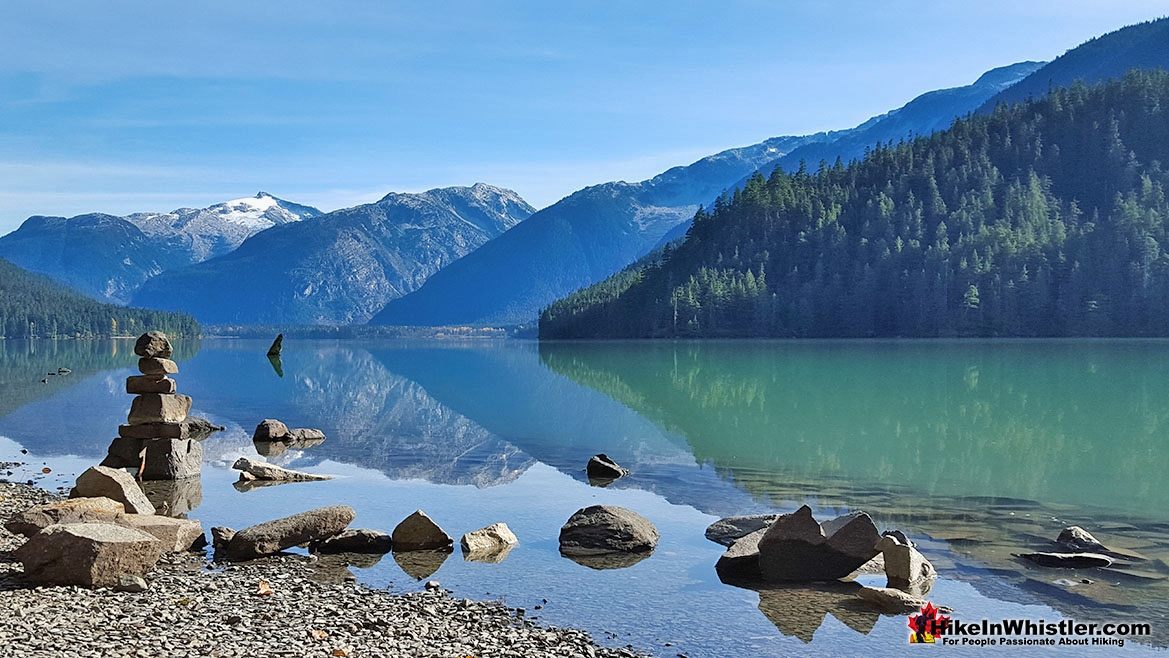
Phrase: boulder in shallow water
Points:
(355, 540)
(601, 467)
(153, 344)
(1075, 538)
(72, 510)
(602, 529)
(891, 600)
(905, 567)
(87, 554)
(266, 471)
(740, 562)
(1068, 560)
(102, 481)
(494, 538)
(418, 532)
(274, 536)
(729, 530)
(270, 429)
(798, 549)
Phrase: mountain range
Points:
(343, 266)
(108, 257)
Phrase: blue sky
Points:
(124, 106)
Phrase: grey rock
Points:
(265, 471)
(905, 567)
(1068, 560)
(491, 539)
(418, 532)
(153, 344)
(102, 481)
(602, 529)
(220, 536)
(602, 467)
(154, 366)
(797, 549)
(125, 453)
(137, 384)
(172, 459)
(729, 530)
(270, 429)
(131, 584)
(87, 554)
(1075, 538)
(159, 408)
(306, 436)
(175, 534)
(740, 562)
(274, 536)
(72, 510)
(354, 540)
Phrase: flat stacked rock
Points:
(158, 439)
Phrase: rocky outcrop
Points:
(105, 482)
(798, 549)
(602, 529)
(72, 510)
(354, 540)
(265, 471)
(495, 538)
(418, 532)
(729, 530)
(87, 554)
(274, 536)
(601, 467)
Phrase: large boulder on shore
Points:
(106, 482)
(733, 528)
(274, 536)
(603, 529)
(72, 510)
(798, 549)
(265, 471)
(153, 344)
(418, 532)
(175, 534)
(87, 554)
(355, 540)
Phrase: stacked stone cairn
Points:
(157, 439)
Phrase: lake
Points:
(975, 449)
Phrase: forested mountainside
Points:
(32, 305)
(1043, 218)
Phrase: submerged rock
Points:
(87, 554)
(602, 529)
(1068, 560)
(105, 482)
(798, 549)
(418, 532)
(274, 536)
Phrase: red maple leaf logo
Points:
(927, 625)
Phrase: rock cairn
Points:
(158, 439)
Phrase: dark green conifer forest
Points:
(33, 306)
(1043, 218)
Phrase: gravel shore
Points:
(276, 606)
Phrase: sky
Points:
(120, 107)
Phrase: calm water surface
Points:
(976, 449)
